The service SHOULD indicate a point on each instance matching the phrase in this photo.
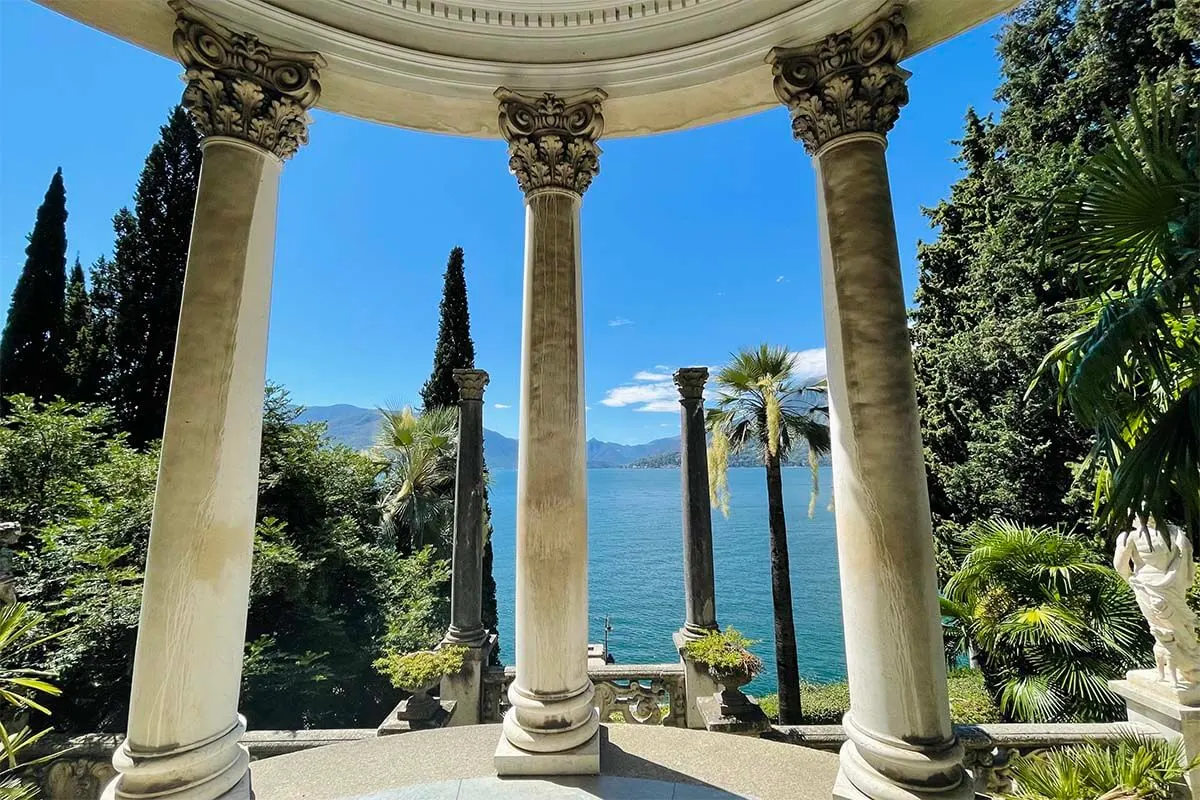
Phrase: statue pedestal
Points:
(1158, 704)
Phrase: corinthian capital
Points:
(552, 139)
(471, 383)
(849, 83)
(237, 86)
(690, 382)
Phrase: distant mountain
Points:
(355, 427)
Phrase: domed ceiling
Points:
(433, 65)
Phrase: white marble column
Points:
(845, 94)
(552, 725)
(184, 725)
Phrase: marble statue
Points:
(1159, 568)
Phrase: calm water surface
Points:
(635, 566)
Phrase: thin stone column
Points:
(248, 102)
(845, 94)
(552, 725)
(700, 597)
(466, 584)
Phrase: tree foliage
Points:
(991, 300)
(1049, 622)
(1130, 230)
(328, 590)
(136, 294)
(32, 355)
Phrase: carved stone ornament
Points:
(239, 87)
(690, 382)
(849, 83)
(471, 383)
(552, 139)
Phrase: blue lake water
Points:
(635, 566)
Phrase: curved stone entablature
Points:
(433, 66)
(849, 83)
(239, 87)
(552, 139)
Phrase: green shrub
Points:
(414, 671)
(826, 703)
(1136, 768)
(725, 653)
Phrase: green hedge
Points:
(825, 703)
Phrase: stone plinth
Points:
(511, 760)
(744, 719)
(466, 686)
(1157, 704)
(419, 716)
(698, 683)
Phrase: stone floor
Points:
(638, 763)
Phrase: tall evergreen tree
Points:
(991, 301)
(32, 360)
(456, 350)
(137, 294)
(77, 321)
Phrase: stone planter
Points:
(420, 711)
(729, 710)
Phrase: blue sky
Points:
(694, 243)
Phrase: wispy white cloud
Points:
(651, 391)
(502, 405)
(617, 322)
(809, 364)
(781, 279)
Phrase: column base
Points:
(697, 682)
(218, 769)
(511, 760)
(857, 780)
(239, 791)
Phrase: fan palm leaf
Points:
(418, 452)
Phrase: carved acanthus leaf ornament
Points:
(848, 83)
(552, 139)
(239, 87)
(471, 383)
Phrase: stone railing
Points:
(80, 773)
(988, 748)
(85, 765)
(639, 694)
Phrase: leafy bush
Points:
(414, 671)
(827, 703)
(725, 653)
(1136, 768)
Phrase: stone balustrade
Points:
(638, 693)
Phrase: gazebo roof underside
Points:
(433, 66)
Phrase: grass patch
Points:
(825, 703)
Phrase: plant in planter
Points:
(1136, 768)
(727, 657)
(418, 673)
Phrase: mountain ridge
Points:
(355, 427)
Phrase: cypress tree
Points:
(137, 294)
(32, 360)
(456, 350)
(991, 303)
(77, 321)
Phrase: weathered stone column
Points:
(700, 598)
(845, 94)
(249, 103)
(466, 582)
(552, 725)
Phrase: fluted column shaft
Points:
(553, 154)
(184, 726)
(845, 94)
(466, 583)
(700, 607)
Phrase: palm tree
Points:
(418, 452)
(761, 405)
(1131, 371)
(1049, 622)
(1136, 768)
